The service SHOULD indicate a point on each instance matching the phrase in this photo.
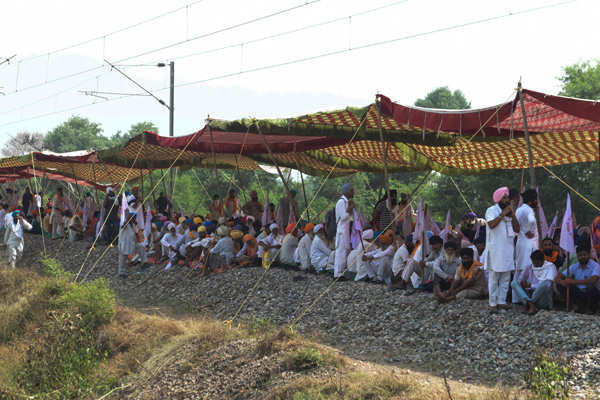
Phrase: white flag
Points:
(567, 239)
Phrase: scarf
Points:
(464, 275)
(228, 201)
(551, 258)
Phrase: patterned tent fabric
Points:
(547, 149)
(87, 167)
(28, 173)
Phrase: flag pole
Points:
(532, 183)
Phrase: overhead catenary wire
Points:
(174, 44)
(308, 58)
(109, 34)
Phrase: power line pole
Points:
(171, 115)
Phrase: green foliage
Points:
(442, 97)
(135, 130)
(59, 362)
(259, 326)
(581, 80)
(76, 134)
(303, 359)
(54, 269)
(94, 301)
(549, 378)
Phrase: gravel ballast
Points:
(363, 320)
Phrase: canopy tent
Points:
(81, 166)
(28, 173)
(562, 130)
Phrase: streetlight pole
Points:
(171, 122)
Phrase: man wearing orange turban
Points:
(302, 255)
(289, 245)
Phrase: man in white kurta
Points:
(343, 211)
(381, 258)
(13, 237)
(356, 264)
(502, 225)
(320, 254)
(129, 245)
(302, 255)
(528, 239)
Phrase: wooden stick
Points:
(304, 194)
(384, 150)
(274, 161)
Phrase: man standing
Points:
(343, 211)
(502, 225)
(254, 207)
(162, 204)
(26, 201)
(13, 237)
(232, 205)
(527, 240)
(286, 206)
(58, 207)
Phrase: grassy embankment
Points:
(66, 340)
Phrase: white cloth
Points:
(288, 248)
(400, 259)
(319, 253)
(498, 287)
(270, 240)
(359, 266)
(342, 236)
(127, 240)
(499, 245)
(525, 246)
(302, 254)
(224, 248)
(382, 263)
(534, 276)
(169, 240)
(13, 237)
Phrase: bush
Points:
(59, 361)
(548, 380)
(93, 301)
(304, 358)
(54, 269)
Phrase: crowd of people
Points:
(499, 257)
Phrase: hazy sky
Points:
(484, 60)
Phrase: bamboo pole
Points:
(532, 183)
(384, 151)
(274, 161)
(212, 150)
(304, 194)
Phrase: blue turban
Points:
(347, 187)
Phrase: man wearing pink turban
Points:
(502, 227)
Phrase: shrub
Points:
(59, 361)
(548, 380)
(54, 269)
(304, 358)
(93, 301)
(259, 326)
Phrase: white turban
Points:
(171, 226)
(109, 190)
(317, 228)
(130, 198)
(273, 226)
(223, 230)
(368, 234)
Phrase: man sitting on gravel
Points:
(381, 258)
(422, 264)
(401, 258)
(469, 280)
(320, 254)
(289, 244)
(582, 280)
(356, 264)
(444, 270)
(533, 286)
(302, 254)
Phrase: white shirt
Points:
(500, 250)
(224, 248)
(342, 219)
(319, 253)
(534, 276)
(269, 241)
(525, 246)
(127, 240)
(400, 259)
(302, 254)
(288, 248)
(13, 236)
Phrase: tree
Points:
(443, 98)
(76, 134)
(23, 143)
(581, 80)
(135, 130)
